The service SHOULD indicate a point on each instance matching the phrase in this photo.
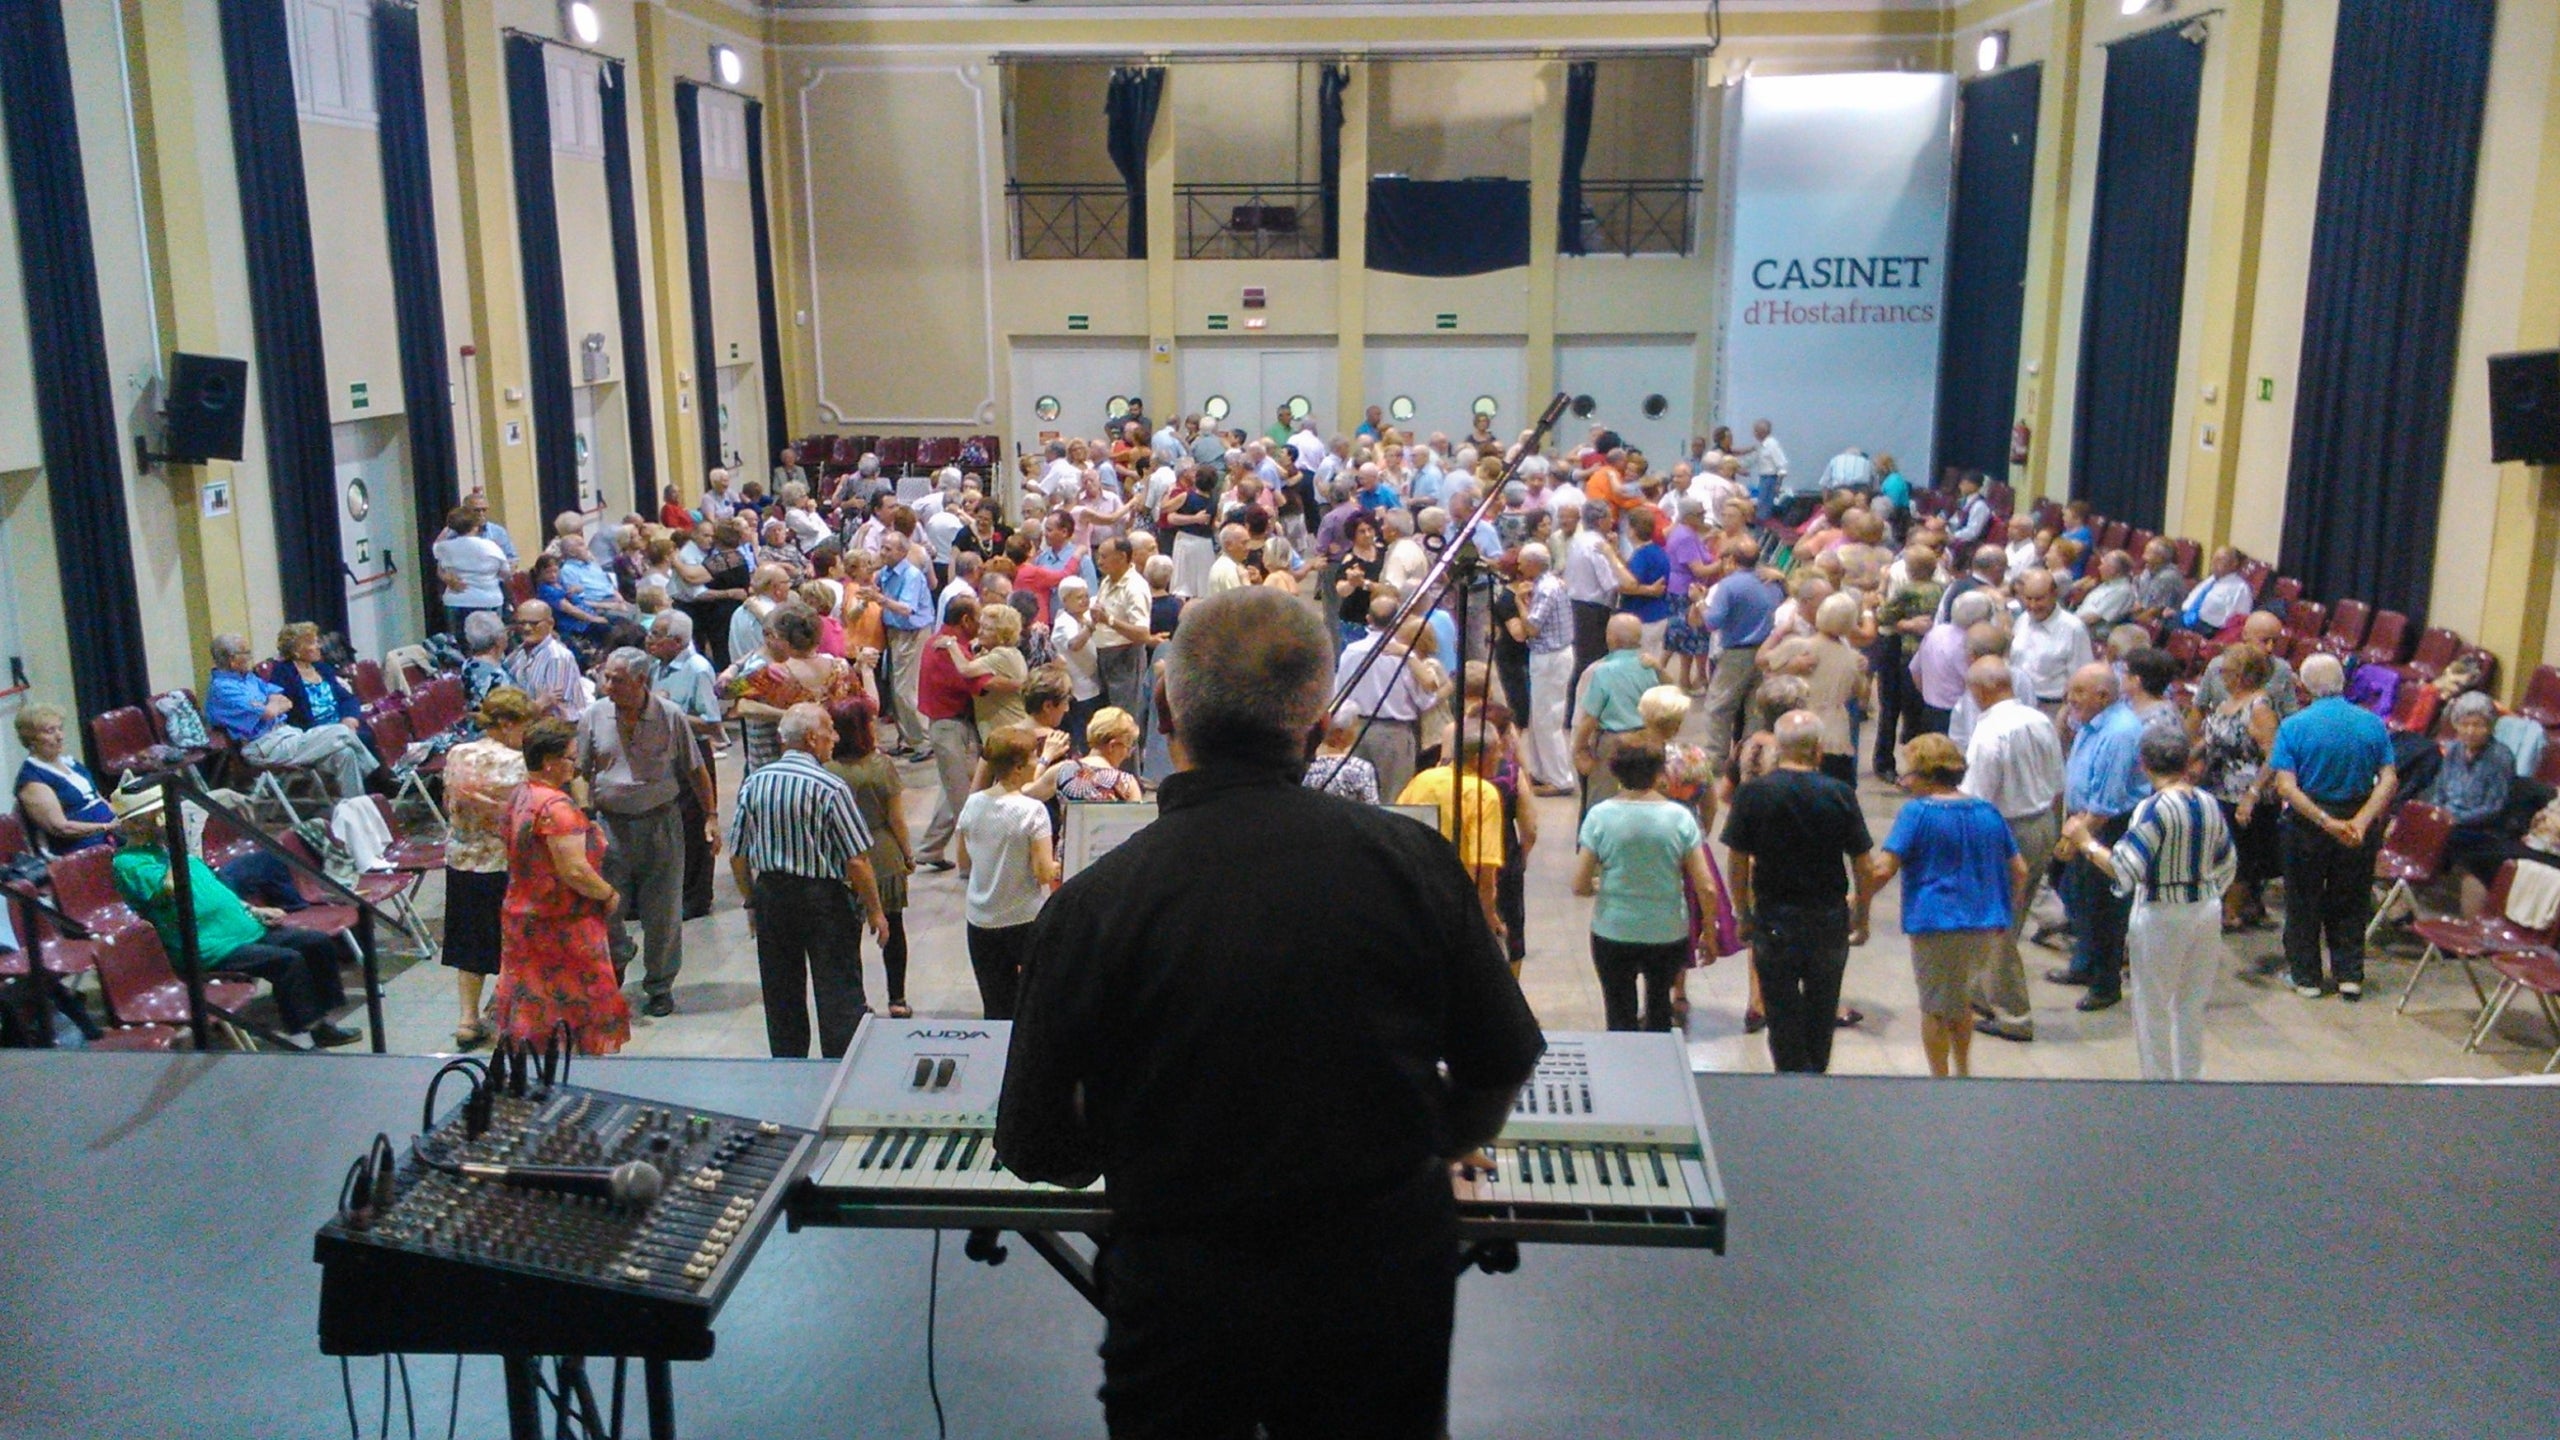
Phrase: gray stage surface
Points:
(2007, 1258)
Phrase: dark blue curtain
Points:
(75, 394)
(1447, 227)
(546, 300)
(642, 422)
(1581, 79)
(417, 286)
(777, 425)
(1129, 109)
(2390, 236)
(697, 249)
(284, 311)
(1987, 270)
(2137, 277)
(1329, 88)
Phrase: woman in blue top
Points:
(1962, 878)
(1638, 847)
(56, 794)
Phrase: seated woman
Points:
(57, 796)
(2471, 784)
(320, 697)
(579, 626)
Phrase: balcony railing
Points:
(1252, 222)
(1639, 217)
(1069, 222)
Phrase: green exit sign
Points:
(1217, 322)
(358, 396)
(1445, 320)
(1079, 322)
(2266, 387)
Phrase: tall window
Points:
(333, 59)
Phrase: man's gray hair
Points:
(2322, 675)
(1247, 674)
(1971, 608)
(675, 624)
(228, 647)
(1799, 735)
(1432, 520)
(2164, 750)
(1991, 675)
(2474, 705)
(628, 657)
(870, 464)
(798, 721)
(1594, 511)
(483, 631)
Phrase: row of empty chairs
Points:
(899, 454)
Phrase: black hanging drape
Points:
(777, 425)
(697, 246)
(1130, 109)
(1986, 270)
(641, 423)
(75, 393)
(1329, 88)
(2390, 236)
(2137, 277)
(1447, 227)
(1581, 79)
(546, 301)
(284, 311)
(417, 287)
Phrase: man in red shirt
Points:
(946, 698)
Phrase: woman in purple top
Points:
(1692, 570)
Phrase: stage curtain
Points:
(777, 425)
(284, 311)
(1986, 271)
(1329, 88)
(697, 246)
(628, 301)
(546, 300)
(2132, 303)
(75, 393)
(1447, 227)
(1129, 107)
(417, 289)
(2391, 232)
(1580, 79)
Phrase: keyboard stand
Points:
(1072, 1265)
(575, 1401)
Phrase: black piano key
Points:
(1626, 1171)
(1566, 1153)
(1546, 1165)
(969, 1152)
(1600, 1163)
(950, 1147)
(1661, 1176)
(915, 1150)
(872, 1149)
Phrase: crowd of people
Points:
(1512, 623)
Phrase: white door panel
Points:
(1445, 378)
(382, 609)
(1623, 376)
(1083, 379)
(1255, 378)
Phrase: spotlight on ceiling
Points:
(1991, 51)
(2136, 7)
(726, 64)
(580, 22)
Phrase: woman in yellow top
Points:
(1480, 842)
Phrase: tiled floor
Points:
(2258, 1029)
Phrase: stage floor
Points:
(2029, 1259)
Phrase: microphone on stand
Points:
(635, 1183)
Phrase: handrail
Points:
(1280, 221)
(1629, 217)
(1057, 220)
(177, 786)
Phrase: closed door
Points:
(1243, 385)
(732, 379)
(376, 534)
(1642, 388)
(1444, 382)
(582, 402)
(1303, 380)
(1072, 391)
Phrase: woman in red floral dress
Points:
(553, 966)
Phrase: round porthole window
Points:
(1116, 406)
(1654, 406)
(1487, 407)
(1215, 407)
(582, 450)
(360, 499)
(1585, 406)
(1401, 407)
(1299, 407)
(1046, 407)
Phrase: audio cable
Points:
(932, 1309)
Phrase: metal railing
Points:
(1640, 217)
(1252, 222)
(1069, 221)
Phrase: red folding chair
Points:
(84, 888)
(2541, 703)
(222, 842)
(125, 740)
(2548, 772)
(2537, 971)
(2386, 641)
(141, 987)
(408, 853)
(2348, 621)
(140, 1037)
(2468, 942)
(2305, 619)
(2188, 554)
(2412, 855)
(365, 678)
(2286, 589)
(2437, 648)
(409, 762)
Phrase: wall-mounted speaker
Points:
(2524, 407)
(207, 397)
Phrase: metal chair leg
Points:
(2421, 969)
(2391, 898)
(2489, 1014)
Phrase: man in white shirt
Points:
(1591, 584)
(1407, 561)
(1307, 448)
(1766, 461)
(2111, 600)
(1061, 474)
(2013, 760)
(2217, 598)
(1849, 470)
(1169, 438)
(1121, 615)
(1388, 698)
(1227, 571)
(470, 568)
(2046, 644)
(964, 581)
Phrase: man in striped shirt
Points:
(797, 845)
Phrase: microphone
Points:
(635, 1183)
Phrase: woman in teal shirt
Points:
(1642, 853)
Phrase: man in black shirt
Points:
(1796, 835)
(1275, 1090)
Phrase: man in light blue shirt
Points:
(2333, 767)
(684, 677)
(2102, 781)
(1849, 470)
(252, 712)
(907, 617)
(1740, 610)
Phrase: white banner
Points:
(1839, 203)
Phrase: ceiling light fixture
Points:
(2136, 7)
(726, 64)
(1991, 51)
(580, 22)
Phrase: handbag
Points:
(181, 722)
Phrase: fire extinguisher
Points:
(2019, 436)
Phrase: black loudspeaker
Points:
(207, 397)
(2524, 407)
